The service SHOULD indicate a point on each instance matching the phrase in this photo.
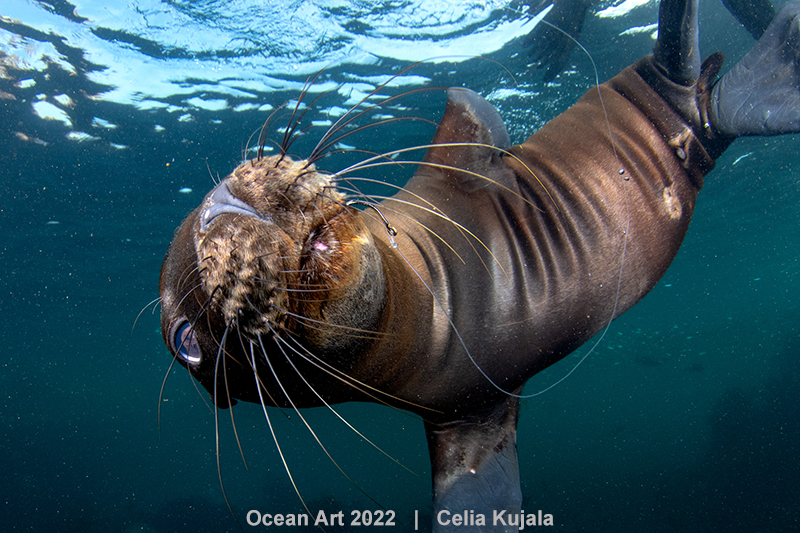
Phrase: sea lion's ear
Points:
(469, 136)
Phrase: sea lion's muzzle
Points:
(250, 235)
(278, 249)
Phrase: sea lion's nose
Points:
(221, 201)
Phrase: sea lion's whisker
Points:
(262, 136)
(312, 291)
(190, 292)
(228, 395)
(221, 356)
(289, 137)
(374, 162)
(267, 254)
(161, 393)
(249, 349)
(324, 326)
(426, 228)
(154, 303)
(332, 142)
(319, 287)
(186, 275)
(333, 198)
(314, 204)
(305, 291)
(288, 133)
(456, 224)
(390, 229)
(289, 270)
(350, 179)
(351, 381)
(360, 151)
(314, 286)
(305, 422)
(215, 181)
(326, 404)
(344, 120)
(325, 141)
(259, 387)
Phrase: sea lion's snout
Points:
(249, 236)
(220, 202)
(278, 248)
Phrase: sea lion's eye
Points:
(185, 344)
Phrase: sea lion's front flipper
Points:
(760, 95)
(474, 467)
(470, 137)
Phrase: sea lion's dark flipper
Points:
(468, 118)
(677, 51)
(468, 136)
(474, 467)
(760, 95)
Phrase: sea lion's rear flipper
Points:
(760, 95)
(677, 52)
(474, 467)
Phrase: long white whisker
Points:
(463, 229)
(312, 389)
(423, 226)
(269, 423)
(377, 161)
(220, 355)
(306, 320)
(351, 381)
(305, 422)
(161, 394)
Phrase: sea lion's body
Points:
(491, 264)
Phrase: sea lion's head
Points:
(272, 261)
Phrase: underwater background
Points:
(117, 118)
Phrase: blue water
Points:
(685, 418)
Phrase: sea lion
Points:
(492, 263)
